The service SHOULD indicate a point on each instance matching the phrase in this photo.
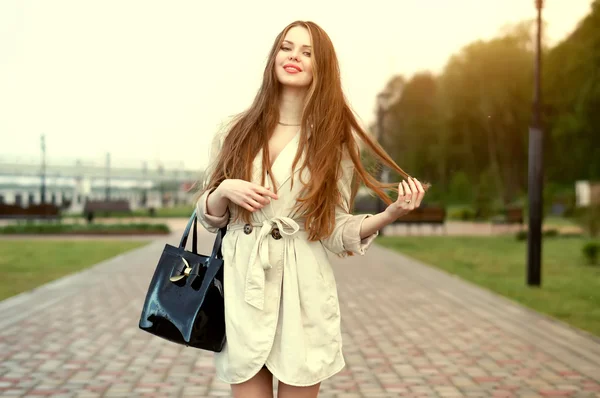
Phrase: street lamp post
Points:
(43, 171)
(107, 177)
(144, 189)
(534, 240)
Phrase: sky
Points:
(150, 81)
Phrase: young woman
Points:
(281, 179)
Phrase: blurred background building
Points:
(23, 181)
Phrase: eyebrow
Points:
(292, 43)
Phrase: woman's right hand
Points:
(248, 195)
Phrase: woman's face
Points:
(293, 62)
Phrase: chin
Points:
(294, 83)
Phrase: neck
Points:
(291, 103)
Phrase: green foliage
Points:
(484, 196)
(548, 233)
(131, 228)
(461, 189)
(572, 96)
(591, 250)
(473, 119)
(180, 211)
(589, 219)
(573, 234)
(559, 194)
(461, 213)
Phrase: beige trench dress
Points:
(281, 303)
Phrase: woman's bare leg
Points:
(259, 386)
(287, 391)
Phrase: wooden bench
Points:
(46, 211)
(105, 208)
(509, 216)
(427, 215)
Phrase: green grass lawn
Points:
(556, 222)
(570, 289)
(81, 228)
(25, 264)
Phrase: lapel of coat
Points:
(282, 168)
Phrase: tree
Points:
(485, 98)
(474, 117)
(572, 95)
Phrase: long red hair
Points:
(330, 120)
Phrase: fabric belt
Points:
(277, 227)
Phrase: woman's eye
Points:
(307, 53)
(285, 48)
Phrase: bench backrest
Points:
(425, 214)
(111, 206)
(39, 210)
(514, 215)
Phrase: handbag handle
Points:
(216, 253)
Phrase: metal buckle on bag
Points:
(186, 272)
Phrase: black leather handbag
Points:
(185, 302)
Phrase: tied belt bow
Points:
(277, 228)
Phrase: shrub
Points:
(83, 228)
(463, 214)
(571, 234)
(589, 219)
(548, 233)
(591, 251)
(552, 232)
(461, 188)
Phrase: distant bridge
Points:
(94, 171)
(74, 183)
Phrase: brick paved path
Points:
(409, 330)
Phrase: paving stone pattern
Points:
(409, 330)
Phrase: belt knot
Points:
(277, 227)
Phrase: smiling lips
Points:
(291, 68)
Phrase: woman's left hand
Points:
(410, 195)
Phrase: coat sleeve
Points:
(210, 222)
(345, 237)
